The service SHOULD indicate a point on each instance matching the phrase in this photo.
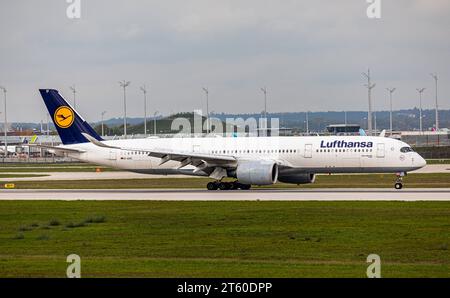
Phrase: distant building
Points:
(425, 138)
(343, 129)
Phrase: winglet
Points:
(362, 132)
(383, 133)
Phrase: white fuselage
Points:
(316, 154)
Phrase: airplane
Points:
(249, 160)
(11, 149)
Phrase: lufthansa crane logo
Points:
(64, 117)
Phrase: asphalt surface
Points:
(445, 168)
(416, 194)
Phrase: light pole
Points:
(264, 90)
(207, 109)
(307, 123)
(144, 90)
(48, 123)
(369, 87)
(154, 122)
(375, 121)
(103, 114)
(74, 91)
(6, 123)
(435, 77)
(420, 107)
(124, 84)
(390, 90)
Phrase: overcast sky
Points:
(309, 54)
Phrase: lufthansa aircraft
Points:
(250, 160)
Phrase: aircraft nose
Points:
(421, 162)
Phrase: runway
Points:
(130, 175)
(417, 194)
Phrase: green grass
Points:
(51, 170)
(322, 181)
(40, 169)
(225, 239)
(438, 161)
(50, 167)
(21, 175)
(53, 165)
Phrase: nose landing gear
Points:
(227, 185)
(399, 182)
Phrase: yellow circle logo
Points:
(64, 117)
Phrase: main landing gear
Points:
(399, 181)
(227, 185)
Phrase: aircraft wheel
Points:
(212, 186)
(235, 185)
(398, 185)
(224, 186)
(245, 186)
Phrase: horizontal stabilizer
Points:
(56, 148)
(97, 142)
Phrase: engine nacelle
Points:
(297, 178)
(257, 172)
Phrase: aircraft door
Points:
(112, 155)
(380, 150)
(308, 151)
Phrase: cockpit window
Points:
(406, 149)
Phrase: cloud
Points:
(310, 54)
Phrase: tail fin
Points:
(68, 123)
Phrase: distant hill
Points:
(403, 120)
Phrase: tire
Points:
(224, 186)
(235, 185)
(398, 185)
(211, 186)
(245, 186)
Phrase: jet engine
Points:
(257, 172)
(300, 178)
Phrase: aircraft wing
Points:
(166, 155)
(200, 160)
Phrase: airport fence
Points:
(38, 160)
(441, 152)
(426, 139)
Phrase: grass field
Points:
(50, 167)
(224, 239)
(438, 161)
(20, 175)
(49, 164)
(322, 181)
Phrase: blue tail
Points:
(68, 123)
